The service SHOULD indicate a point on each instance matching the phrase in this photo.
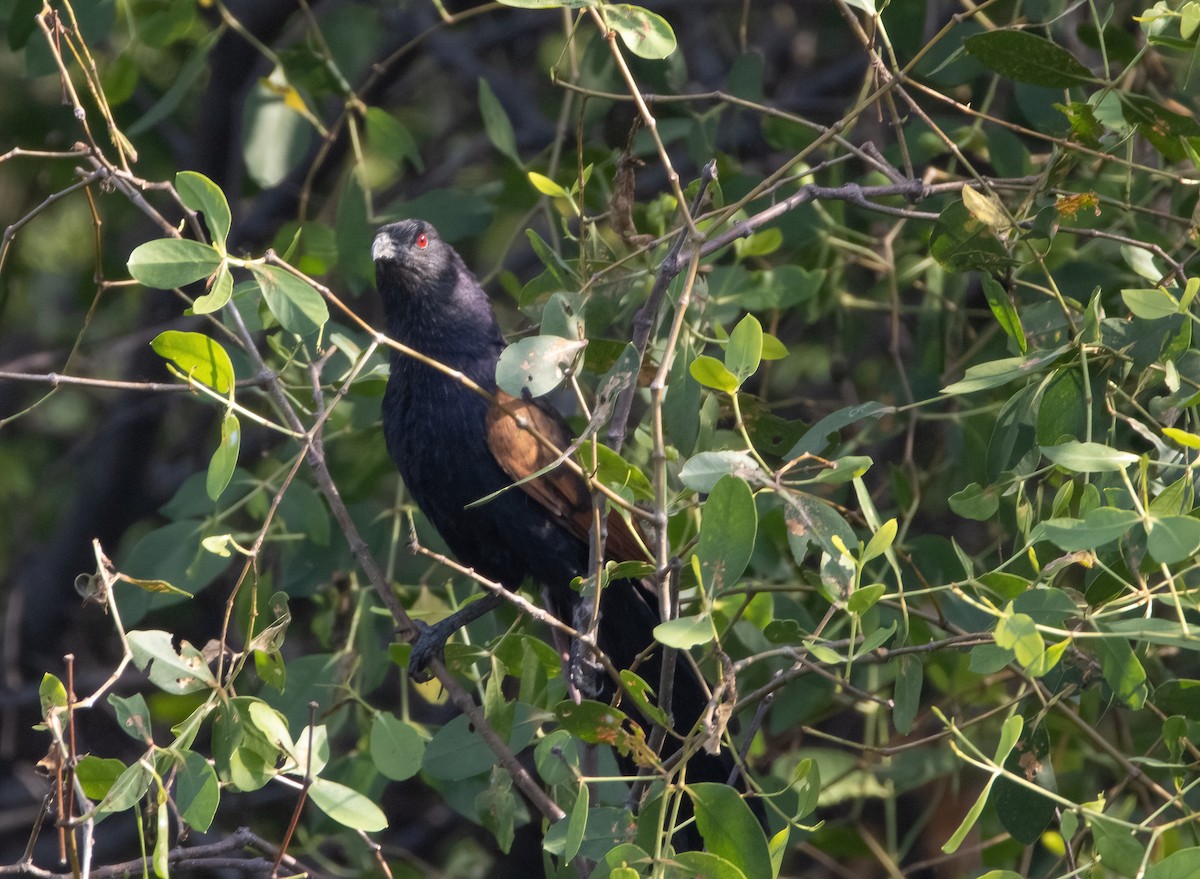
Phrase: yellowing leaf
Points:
(986, 208)
(1183, 437)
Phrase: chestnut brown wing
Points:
(513, 426)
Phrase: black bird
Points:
(454, 446)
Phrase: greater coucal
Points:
(454, 446)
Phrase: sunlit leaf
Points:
(201, 194)
(643, 32)
(198, 357)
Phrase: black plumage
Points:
(454, 446)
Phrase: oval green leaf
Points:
(396, 748)
(743, 352)
(645, 33)
(225, 458)
(729, 828)
(536, 365)
(1172, 539)
(167, 263)
(346, 806)
(1089, 457)
(198, 357)
(704, 470)
(727, 532)
(297, 306)
(685, 632)
(220, 291)
(200, 194)
(1026, 57)
(1151, 303)
(712, 373)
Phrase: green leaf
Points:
(880, 542)
(729, 828)
(906, 697)
(556, 757)
(812, 522)
(220, 291)
(684, 633)
(497, 807)
(1018, 632)
(391, 141)
(177, 672)
(1001, 372)
(346, 806)
(1024, 812)
(496, 123)
(712, 373)
(536, 364)
(1026, 57)
(1171, 539)
(706, 865)
(1119, 849)
(548, 4)
(643, 695)
(396, 748)
(457, 752)
(1005, 312)
(823, 434)
(727, 533)
(200, 194)
(743, 352)
(133, 715)
(962, 243)
(1089, 457)
(198, 357)
(772, 348)
(1097, 528)
(703, 471)
(613, 470)
(172, 262)
(1179, 696)
(806, 785)
(576, 823)
(197, 791)
(1189, 19)
(225, 458)
(1010, 735)
(1184, 438)
(1121, 669)
(97, 775)
(864, 598)
(1150, 303)
(546, 186)
(1184, 864)
(761, 243)
(645, 33)
(975, 502)
(51, 693)
(297, 306)
(125, 792)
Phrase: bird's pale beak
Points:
(383, 247)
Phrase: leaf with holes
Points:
(536, 365)
(645, 33)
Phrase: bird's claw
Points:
(426, 647)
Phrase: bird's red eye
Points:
(422, 241)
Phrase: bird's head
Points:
(410, 256)
(430, 297)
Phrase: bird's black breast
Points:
(436, 432)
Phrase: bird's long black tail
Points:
(627, 620)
